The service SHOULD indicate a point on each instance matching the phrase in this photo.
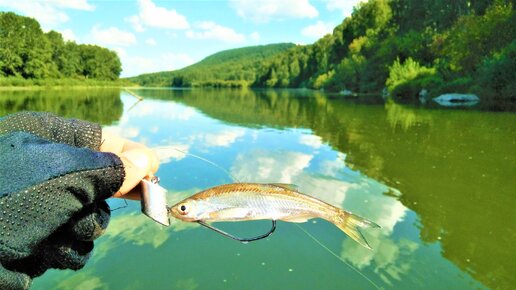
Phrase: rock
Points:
(385, 93)
(423, 96)
(346, 93)
(451, 100)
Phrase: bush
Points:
(496, 78)
(459, 85)
(410, 90)
(408, 79)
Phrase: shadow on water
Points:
(455, 169)
(96, 105)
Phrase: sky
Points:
(154, 35)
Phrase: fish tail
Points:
(350, 223)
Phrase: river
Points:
(440, 182)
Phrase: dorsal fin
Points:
(288, 186)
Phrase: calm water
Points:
(439, 182)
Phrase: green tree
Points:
(24, 49)
(474, 37)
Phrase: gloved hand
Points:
(53, 186)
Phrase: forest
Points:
(405, 46)
(396, 47)
(230, 68)
(29, 55)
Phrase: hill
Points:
(229, 68)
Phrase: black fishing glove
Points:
(53, 186)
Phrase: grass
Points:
(19, 83)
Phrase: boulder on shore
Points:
(346, 93)
(457, 100)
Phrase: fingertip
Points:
(139, 158)
(154, 161)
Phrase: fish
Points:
(266, 201)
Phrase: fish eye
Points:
(183, 209)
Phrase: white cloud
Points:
(72, 4)
(139, 63)
(175, 152)
(176, 60)
(269, 166)
(346, 6)
(331, 190)
(224, 138)
(265, 10)
(213, 31)
(311, 141)
(318, 29)
(151, 41)
(255, 36)
(333, 167)
(135, 65)
(68, 35)
(48, 12)
(154, 16)
(135, 21)
(112, 36)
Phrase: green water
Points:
(439, 182)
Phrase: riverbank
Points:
(18, 83)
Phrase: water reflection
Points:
(97, 105)
(264, 166)
(83, 280)
(454, 168)
(334, 183)
(401, 116)
(438, 182)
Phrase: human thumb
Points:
(137, 164)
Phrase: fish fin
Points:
(350, 223)
(233, 213)
(295, 219)
(288, 186)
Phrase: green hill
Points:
(230, 68)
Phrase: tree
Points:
(28, 52)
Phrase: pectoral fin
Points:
(230, 214)
(295, 219)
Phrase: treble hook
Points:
(243, 240)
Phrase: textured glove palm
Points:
(53, 186)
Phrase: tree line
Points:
(28, 52)
(230, 68)
(405, 46)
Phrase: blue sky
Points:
(153, 35)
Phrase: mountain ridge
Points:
(235, 67)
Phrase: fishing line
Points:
(201, 158)
(121, 207)
(338, 257)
